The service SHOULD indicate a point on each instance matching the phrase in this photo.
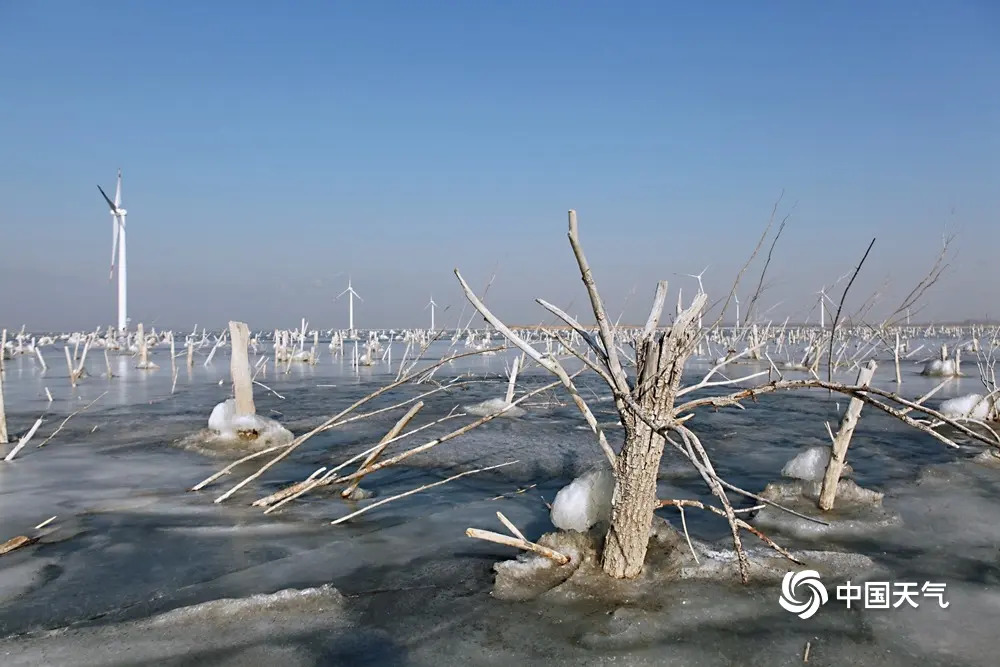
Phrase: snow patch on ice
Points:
(324, 598)
(492, 405)
(974, 406)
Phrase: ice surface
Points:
(130, 543)
(810, 465)
(492, 405)
(231, 628)
(585, 501)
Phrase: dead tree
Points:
(643, 408)
(653, 418)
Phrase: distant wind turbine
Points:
(701, 290)
(350, 308)
(823, 298)
(432, 306)
(118, 245)
(696, 276)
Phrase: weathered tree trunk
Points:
(660, 362)
(239, 367)
(3, 413)
(838, 454)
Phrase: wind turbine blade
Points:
(111, 204)
(118, 191)
(341, 294)
(358, 296)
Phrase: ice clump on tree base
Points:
(856, 510)
(229, 432)
(810, 465)
(584, 502)
(668, 559)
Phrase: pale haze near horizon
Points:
(268, 153)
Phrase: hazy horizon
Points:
(270, 153)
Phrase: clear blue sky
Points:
(269, 147)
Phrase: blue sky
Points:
(271, 149)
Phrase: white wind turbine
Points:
(822, 307)
(350, 308)
(432, 306)
(118, 245)
(701, 290)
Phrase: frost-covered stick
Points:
(16, 543)
(607, 338)
(140, 339)
(920, 401)
(295, 444)
(107, 363)
(83, 357)
(264, 386)
(41, 359)
(680, 504)
(3, 412)
(211, 478)
(60, 427)
(190, 354)
(3, 349)
(429, 445)
(895, 356)
(699, 457)
(48, 394)
(173, 359)
(512, 382)
(548, 363)
(524, 545)
(239, 367)
(511, 527)
(173, 380)
(69, 366)
(299, 489)
(314, 355)
(379, 503)
(393, 432)
(218, 341)
(838, 457)
(26, 438)
(279, 494)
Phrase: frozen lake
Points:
(133, 569)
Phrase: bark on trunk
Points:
(634, 501)
(660, 363)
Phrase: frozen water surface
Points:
(137, 570)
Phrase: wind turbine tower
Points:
(822, 307)
(118, 246)
(350, 307)
(432, 306)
